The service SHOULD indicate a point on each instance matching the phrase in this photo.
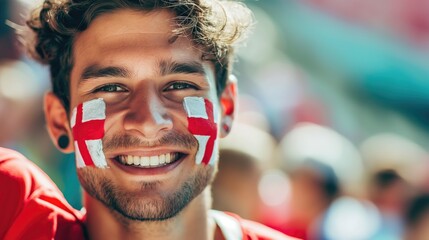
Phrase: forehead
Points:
(142, 25)
(138, 34)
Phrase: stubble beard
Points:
(147, 204)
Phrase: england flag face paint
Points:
(202, 123)
(87, 124)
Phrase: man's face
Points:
(130, 60)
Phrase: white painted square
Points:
(195, 107)
(94, 110)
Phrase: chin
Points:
(150, 201)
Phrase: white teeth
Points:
(136, 160)
(129, 160)
(144, 161)
(152, 161)
(162, 158)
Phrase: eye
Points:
(111, 88)
(181, 86)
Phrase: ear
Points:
(228, 102)
(57, 121)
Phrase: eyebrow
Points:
(97, 71)
(166, 68)
(173, 67)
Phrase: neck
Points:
(192, 222)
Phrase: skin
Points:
(144, 104)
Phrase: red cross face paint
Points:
(202, 123)
(87, 124)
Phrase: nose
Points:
(148, 116)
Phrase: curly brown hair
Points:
(214, 25)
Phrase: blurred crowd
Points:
(326, 145)
(315, 184)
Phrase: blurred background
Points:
(333, 124)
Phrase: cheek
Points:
(114, 121)
(202, 116)
(87, 124)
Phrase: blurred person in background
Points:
(396, 167)
(395, 170)
(346, 213)
(322, 166)
(416, 217)
(142, 105)
(390, 193)
(314, 187)
(394, 152)
(243, 157)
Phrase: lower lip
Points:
(148, 171)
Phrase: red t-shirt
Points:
(32, 207)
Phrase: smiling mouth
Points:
(149, 161)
